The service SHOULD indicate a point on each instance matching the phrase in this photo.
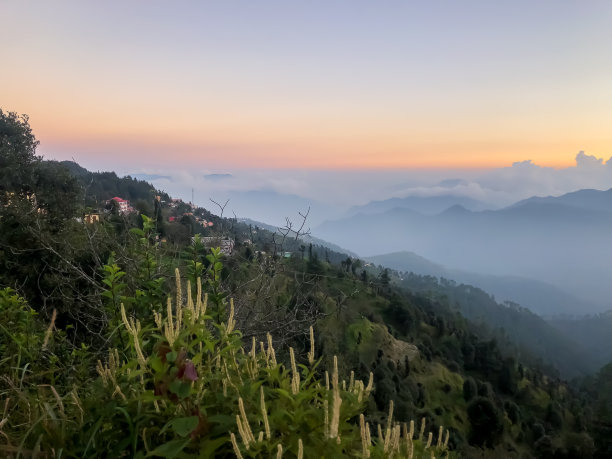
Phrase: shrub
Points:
(184, 386)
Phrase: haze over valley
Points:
(563, 241)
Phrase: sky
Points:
(313, 86)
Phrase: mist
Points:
(331, 193)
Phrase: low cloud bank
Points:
(338, 190)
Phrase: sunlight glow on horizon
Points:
(282, 86)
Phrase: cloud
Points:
(343, 189)
(525, 179)
(585, 161)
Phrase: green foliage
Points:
(18, 338)
(147, 278)
(195, 259)
(216, 295)
(184, 387)
(314, 265)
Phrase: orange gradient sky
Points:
(350, 85)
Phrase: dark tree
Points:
(17, 155)
(513, 412)
(486, 420)
(470, 390)
(385, 279)
(57, 192)
(508, 377)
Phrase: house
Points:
(31, 197)
(91, 218)
(204, 223)
(123, 205)
(225, 244)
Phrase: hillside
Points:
(306, 238)
(558, 343)
(539, 297)
(515, 325)
(98, 187)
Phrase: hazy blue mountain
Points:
(274, 207)
(540, 297)
(409, 262)
(428, 205)
(566, 245)
(595, 200)
(217, 176)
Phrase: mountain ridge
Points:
(550, 241)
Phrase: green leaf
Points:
(148, 396)
(170, 449)
(184, 426)
(137, 231)
(209, 448)
(156, 364)
(171, 356)
(223, 419)
(284, 393)
(180, 388)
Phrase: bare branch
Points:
(221, 207)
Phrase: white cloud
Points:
(343, 189)
(525, 179)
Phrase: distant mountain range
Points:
(595, 200)
(564, 241)
(427, 205)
